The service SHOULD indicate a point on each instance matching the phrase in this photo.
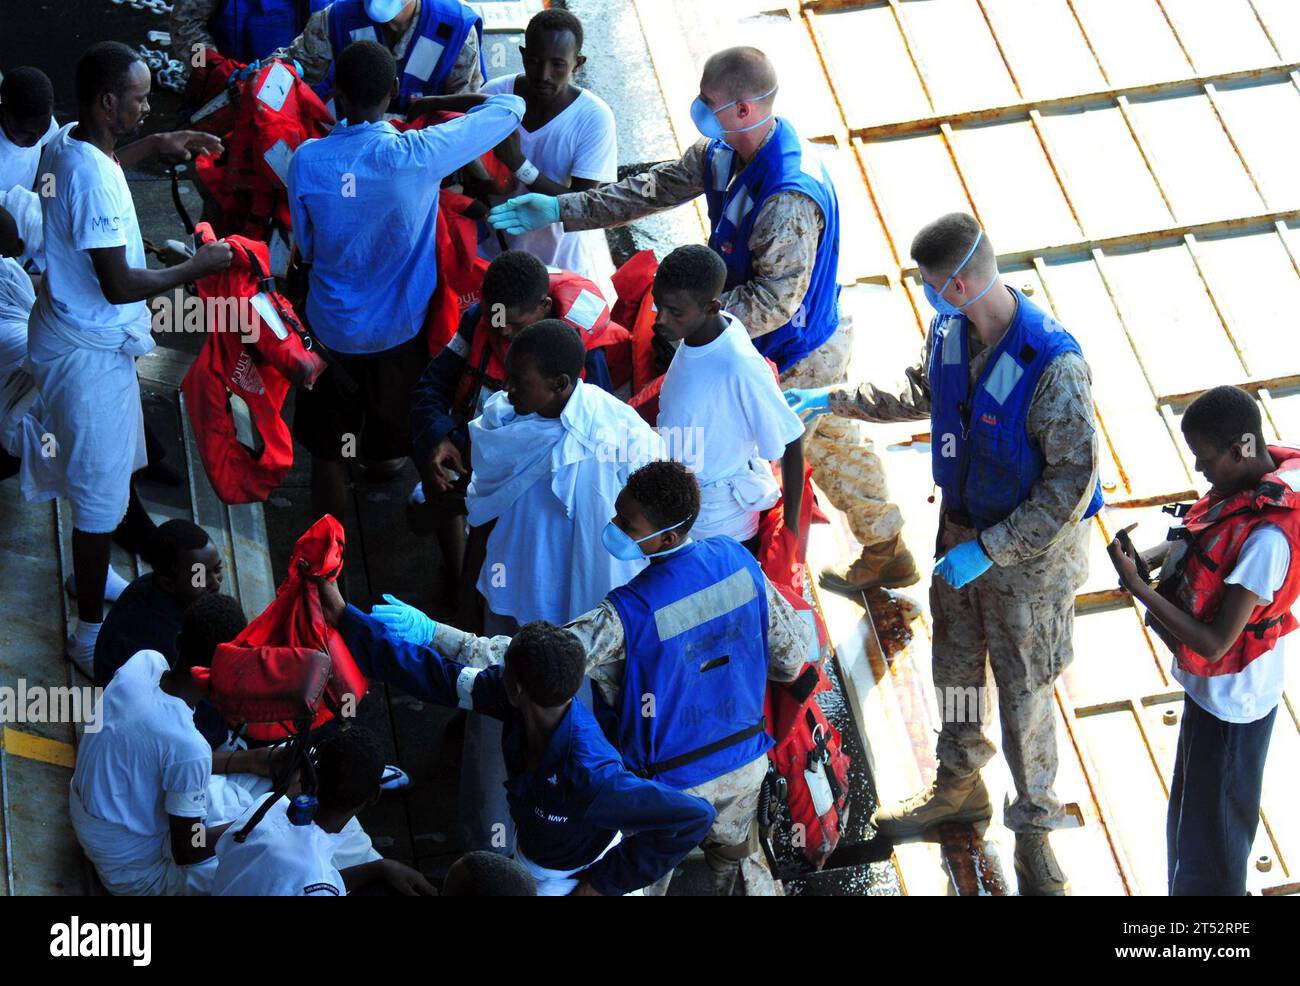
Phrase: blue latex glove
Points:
(404, 621)
(963, 564)
(810, 402)
(525, 213)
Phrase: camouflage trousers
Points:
(1019, 622)
(844, 461)
(731, 848)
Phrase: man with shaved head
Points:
(1014, 451)
(774, 220)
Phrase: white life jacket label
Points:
(275, 87)
(265, 308)
(585, 310)
(277, 157)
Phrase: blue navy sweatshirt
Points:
(567, 810)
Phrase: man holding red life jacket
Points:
(244, 30)
(1009, 398)
(437, 44)
(679, 659)
(90, 320)
(365, 205)
(518, 290)
(1228, 580)
(774, 220)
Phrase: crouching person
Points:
(149, 798)
(297, 853)
(568, 792)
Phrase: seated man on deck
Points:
(293, 852)
(149, 797)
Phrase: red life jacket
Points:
(259, 373)
(267, 113)
(501, 177)
(635, 308)
(460, 269)
(808, 751)
(1215, 529)
(575, 300)
(267, 678)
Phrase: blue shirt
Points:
(364, 202)
(567, 810)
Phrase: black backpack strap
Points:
(664, 766)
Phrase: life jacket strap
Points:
(1262, 626)
(664, 766)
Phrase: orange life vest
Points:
(259, 372)
(1215, 529)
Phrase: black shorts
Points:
(372, 422)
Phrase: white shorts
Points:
(85, 435)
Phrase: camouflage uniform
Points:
(312, 49)
(732, 843)
(1018, 617)
(783, 244)
(844, 461)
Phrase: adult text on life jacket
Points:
(736, 194)
(983, 457)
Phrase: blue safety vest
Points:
(695, 625)
(439, 36)
(782, 165)
(247, 30)
(983, 457)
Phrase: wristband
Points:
(527, 172)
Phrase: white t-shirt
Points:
(579, 143)
(90, 208)
(147, 761)
(278, 859)
(18, 164)
(722, 415)
(1256, 690)
(16, 300)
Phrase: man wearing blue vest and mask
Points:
(774, 220)
(244, 30)
(1015, 453)
(679, 660)
(437, 44)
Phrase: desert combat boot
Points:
(948, 799)
(887, 565)
(1037, 871)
